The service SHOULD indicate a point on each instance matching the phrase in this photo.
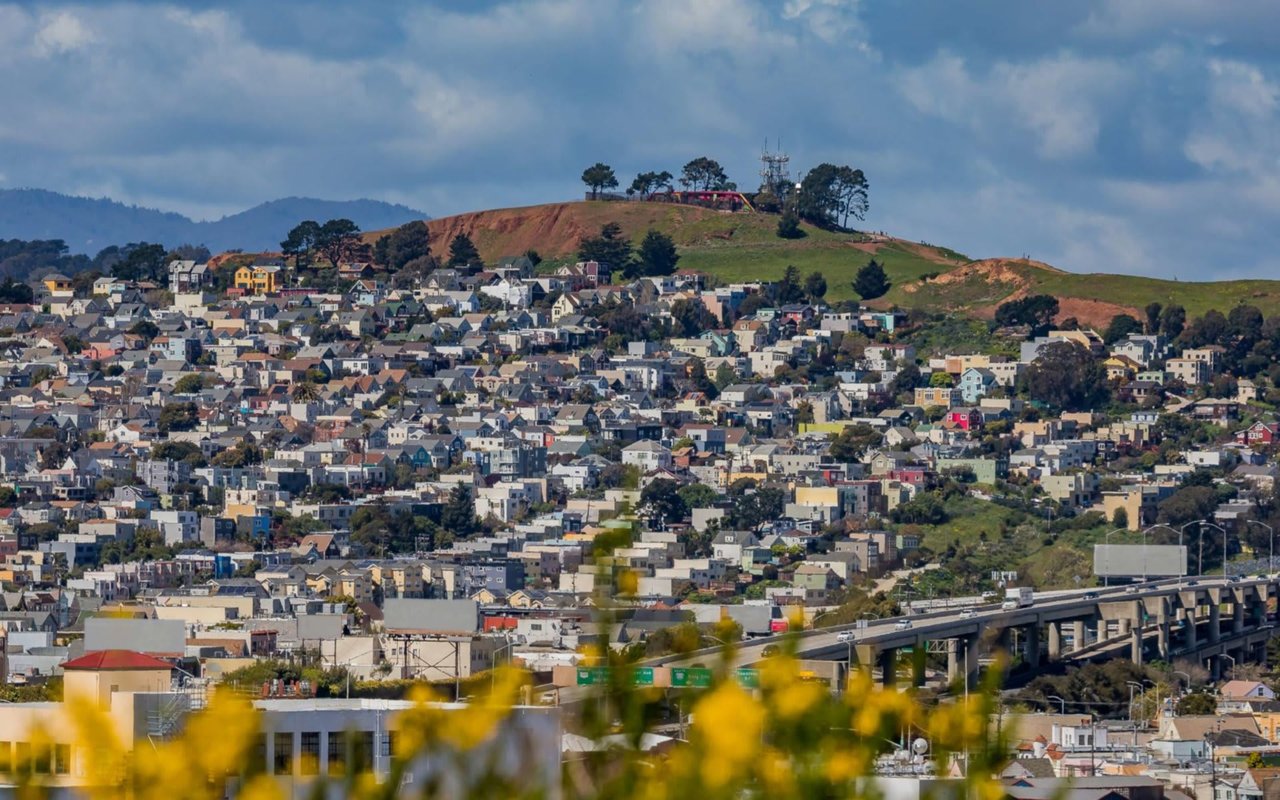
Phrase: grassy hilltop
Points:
(743, 246)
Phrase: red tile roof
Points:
(102, 660)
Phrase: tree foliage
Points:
(463, 252)
(610, 248)
(1036, 311)
(789, 226)
(871, 281)
(337, 240)
(830, 195)
(647, 183)
(599, 176)
(657, 256)
(705, 174)
(459, 514)
(409, 242)
(1121, 325)
(1065, 376)
(815, 286)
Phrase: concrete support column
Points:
(918, 663)
(1135, 649)
(1032, 647)
(1125, 624)
(1215, 621)
(1004, 640)
(1237, 613)
(1077, 634)
(888, 662)
(1189, 614)
(1162, 636)
(1055, 641)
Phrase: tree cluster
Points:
(336, 241)
(829, 195)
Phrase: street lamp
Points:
(1133, 722)
(1059, 699)
(1224, 545)
(1106, 579)
(1233, 663)
(1183, 674)
(1271, 559)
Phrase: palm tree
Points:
(306, 391)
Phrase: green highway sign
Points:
(590, 676)
(749, 678)
(642, 676)
(690, 677)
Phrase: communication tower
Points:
(775, 171)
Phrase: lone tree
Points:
(463, 252)
(599, 176)
(705, 173)
(657, 256)
(610, 248)
(815, 285)
(871, 282)
(789, 226)
(830, 195)
(1036, 311)
(300, 241)
(337, 240)
(649, 182)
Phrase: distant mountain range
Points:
(87, 225)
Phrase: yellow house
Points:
(58, 284)
(1121, 368)
(258, 279)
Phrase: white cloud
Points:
(61, 32)
(1058, 100)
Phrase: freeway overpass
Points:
(1196, 618)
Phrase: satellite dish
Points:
(919, 747)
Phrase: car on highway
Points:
(844, 637)
(1234, 579)
(968, 613)
(1090, 595)
(902, 624)
(1131, 589)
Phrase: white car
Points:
(844, 637)
(902, 624)
(968, 613)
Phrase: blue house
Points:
(975, 382)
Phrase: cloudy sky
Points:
(1100, 135)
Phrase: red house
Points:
(966, 419)
(1259, 433)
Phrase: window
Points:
(338, 755)
(6, 757)
(284, 754)
(42, 760)
(364, 757)
(62, 759)
(22, 758)
(258, 755)
(310, 753)
(388, 744)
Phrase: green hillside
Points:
(744, 246)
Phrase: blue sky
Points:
(1134, 136)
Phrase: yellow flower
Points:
(794, 700)
(728, 726)
(777, 774)
(628, 582)
(261, 787)
(843, 766)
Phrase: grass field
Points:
(744, 246)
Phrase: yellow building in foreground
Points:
(258, 279)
